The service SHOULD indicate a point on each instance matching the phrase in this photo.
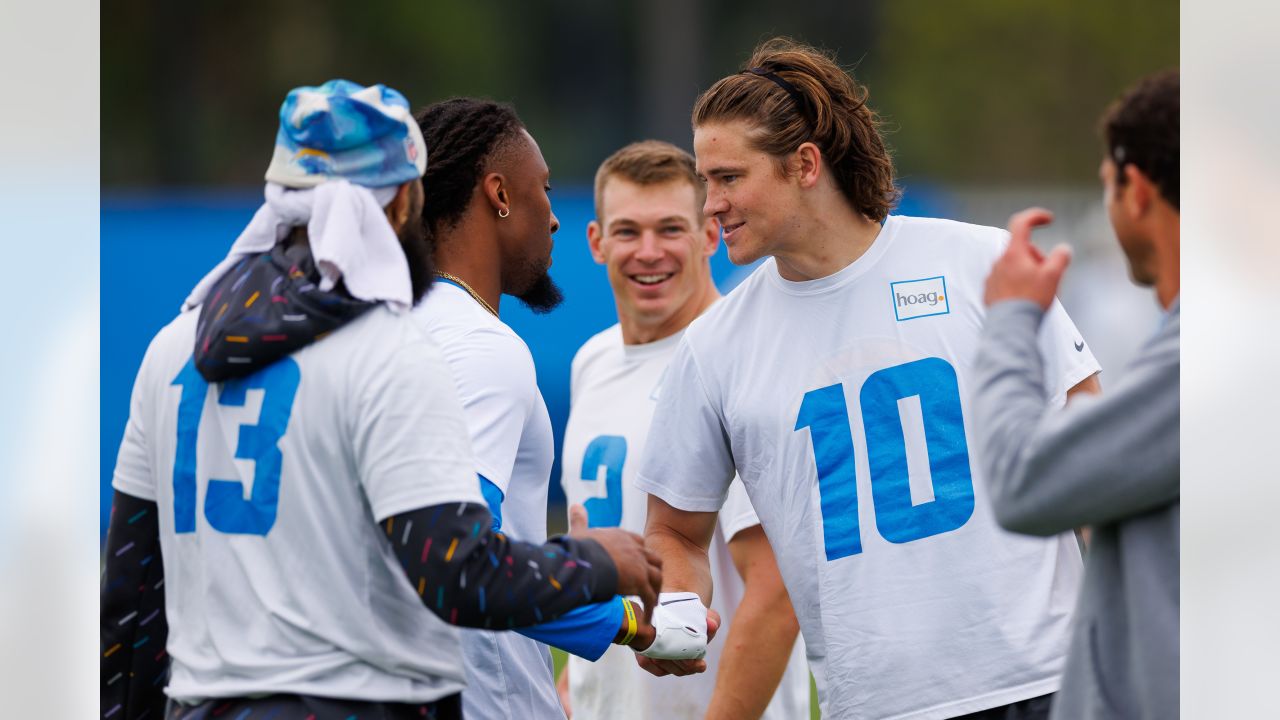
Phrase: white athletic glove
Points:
(680, 628)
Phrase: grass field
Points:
(558, 657)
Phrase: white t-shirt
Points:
(842, 404)
(613, 392)
(278, 577)
(508, 675)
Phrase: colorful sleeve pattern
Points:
(134, 630)
(471, 576)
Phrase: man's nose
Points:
(714, 205)
(649, 250)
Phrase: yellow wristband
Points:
(631, 622)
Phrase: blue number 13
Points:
(826, 415)
(225, 506)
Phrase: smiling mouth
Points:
(730, 228)
(652, 279)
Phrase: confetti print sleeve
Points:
(133, 627)
(471, 576)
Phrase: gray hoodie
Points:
(1109, 463)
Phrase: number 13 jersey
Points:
(842, 403)
(269, 488)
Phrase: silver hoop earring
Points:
(504, 212)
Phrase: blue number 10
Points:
(826, 415)
(225, 506)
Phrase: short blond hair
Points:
(649, 162)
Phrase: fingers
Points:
(577, 519)
(1035, 253)
(645, 632)
(1023, 271)
(1056, 264)
(650, 666)
(654, 558)
(680, 668)
(1022, 223)
(639, 569)
(713, 623)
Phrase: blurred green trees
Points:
(1010, 90)
(981, 90)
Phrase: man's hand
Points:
(755, 654)
(645, 632)
(660, 668)
(1023, 272)
(639, 568)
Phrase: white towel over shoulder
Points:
(349, 235)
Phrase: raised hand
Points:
(1023, 272)
(639, 568)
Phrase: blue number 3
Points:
(225, 505)
(826, 415)
(611, 452)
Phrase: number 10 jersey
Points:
(842, 403)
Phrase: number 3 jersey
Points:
(614, 389)
(269, 489)
(843, 405)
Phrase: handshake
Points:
(669, 631)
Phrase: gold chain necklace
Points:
(474, 295)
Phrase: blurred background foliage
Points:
(982, 91)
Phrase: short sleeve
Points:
(1067, 357)
(687, 459)
(411, 442)
(133, 475)
(496, 383)
(737, 514)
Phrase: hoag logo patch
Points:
(920, 298)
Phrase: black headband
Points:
(796, 97)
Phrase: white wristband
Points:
(680, 628)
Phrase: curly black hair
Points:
(462, 134)
(1141, 129)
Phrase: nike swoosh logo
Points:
(1079, 347)
(673, 602)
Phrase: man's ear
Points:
(494, 187)
(1138, 191)
(711, 237)
(398, 209)
(595, 236)
(807, 161)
